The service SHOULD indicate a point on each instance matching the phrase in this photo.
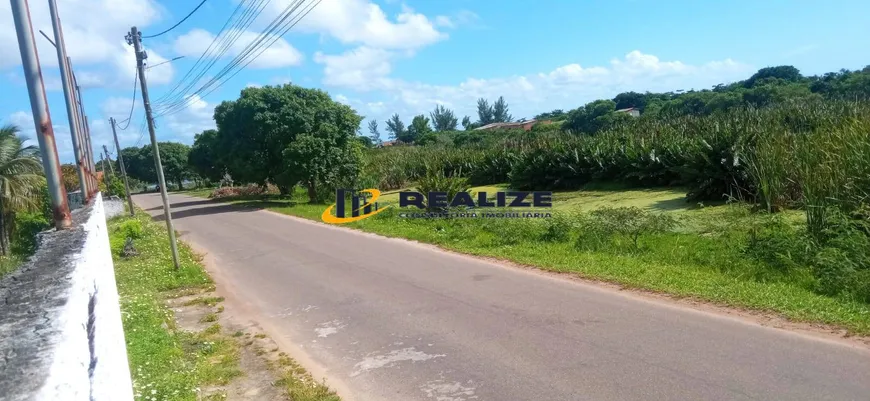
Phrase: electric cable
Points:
(179, 22)
(276, 30)
(133, 103)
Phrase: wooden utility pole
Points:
(135, 38)
(106, 152)
(123, 169)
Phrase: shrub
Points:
(436, 181)
(27, 227)
(115, 187)
(557, 228)
(601, 225)
(779, 244)
(842, 265)
(131, 229)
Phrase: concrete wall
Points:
(61, 336)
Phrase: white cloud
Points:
(184, 125)
(22, 119)
(363, 68)
(93, 32)
(461, 18)
(363, 22)
(445, 21)
(279, 54)
(125, 63)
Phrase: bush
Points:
(557, 228)
(131, 229)
(125, 233)
(116, 187)
(602, 225)
(436, 181)
(778, 244)
(842, 264)
(27, 227)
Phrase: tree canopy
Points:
(443, 119)
(254, 130)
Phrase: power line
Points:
(220, 44)
(179, 22)
(183, 100)
(132, 103)
(275, 31)
(167, 61)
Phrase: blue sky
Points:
(391, 56)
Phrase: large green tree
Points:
(205, 159)
(254, 130)
(484, 112)
(500, 111)
(395, 127)
(374, 133)
(419, 127)
(173, 157)
(323, 161)
(443, 119)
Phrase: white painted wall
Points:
(93, 303)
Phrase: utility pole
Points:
(103, 167)
(68, 94)
(83, 136)
(41, 115)
(106, 152)
(135, 38)
(123, 169)
(89, 150)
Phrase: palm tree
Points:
(21, 179)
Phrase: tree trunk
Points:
(312, 192)
(180, 186)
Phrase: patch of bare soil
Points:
(258, 354)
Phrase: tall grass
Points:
(793, 154)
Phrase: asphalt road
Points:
(393, 320)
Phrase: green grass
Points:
(704, 259)
(165, 362)
(8, 264)
(299, 384)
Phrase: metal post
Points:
(89, 151)
(123, 169)
(106, 152)
(103, 166)
(80, 119)
(41, 115)
(135, 39)
(67, 85)
(86, 153)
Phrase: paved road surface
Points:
(391, 320)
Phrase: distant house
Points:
(525, 125)
(389, 143)
(632, 111)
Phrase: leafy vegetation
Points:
(775, 143)
(704, 253)
(139, 163)
(165, 361)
